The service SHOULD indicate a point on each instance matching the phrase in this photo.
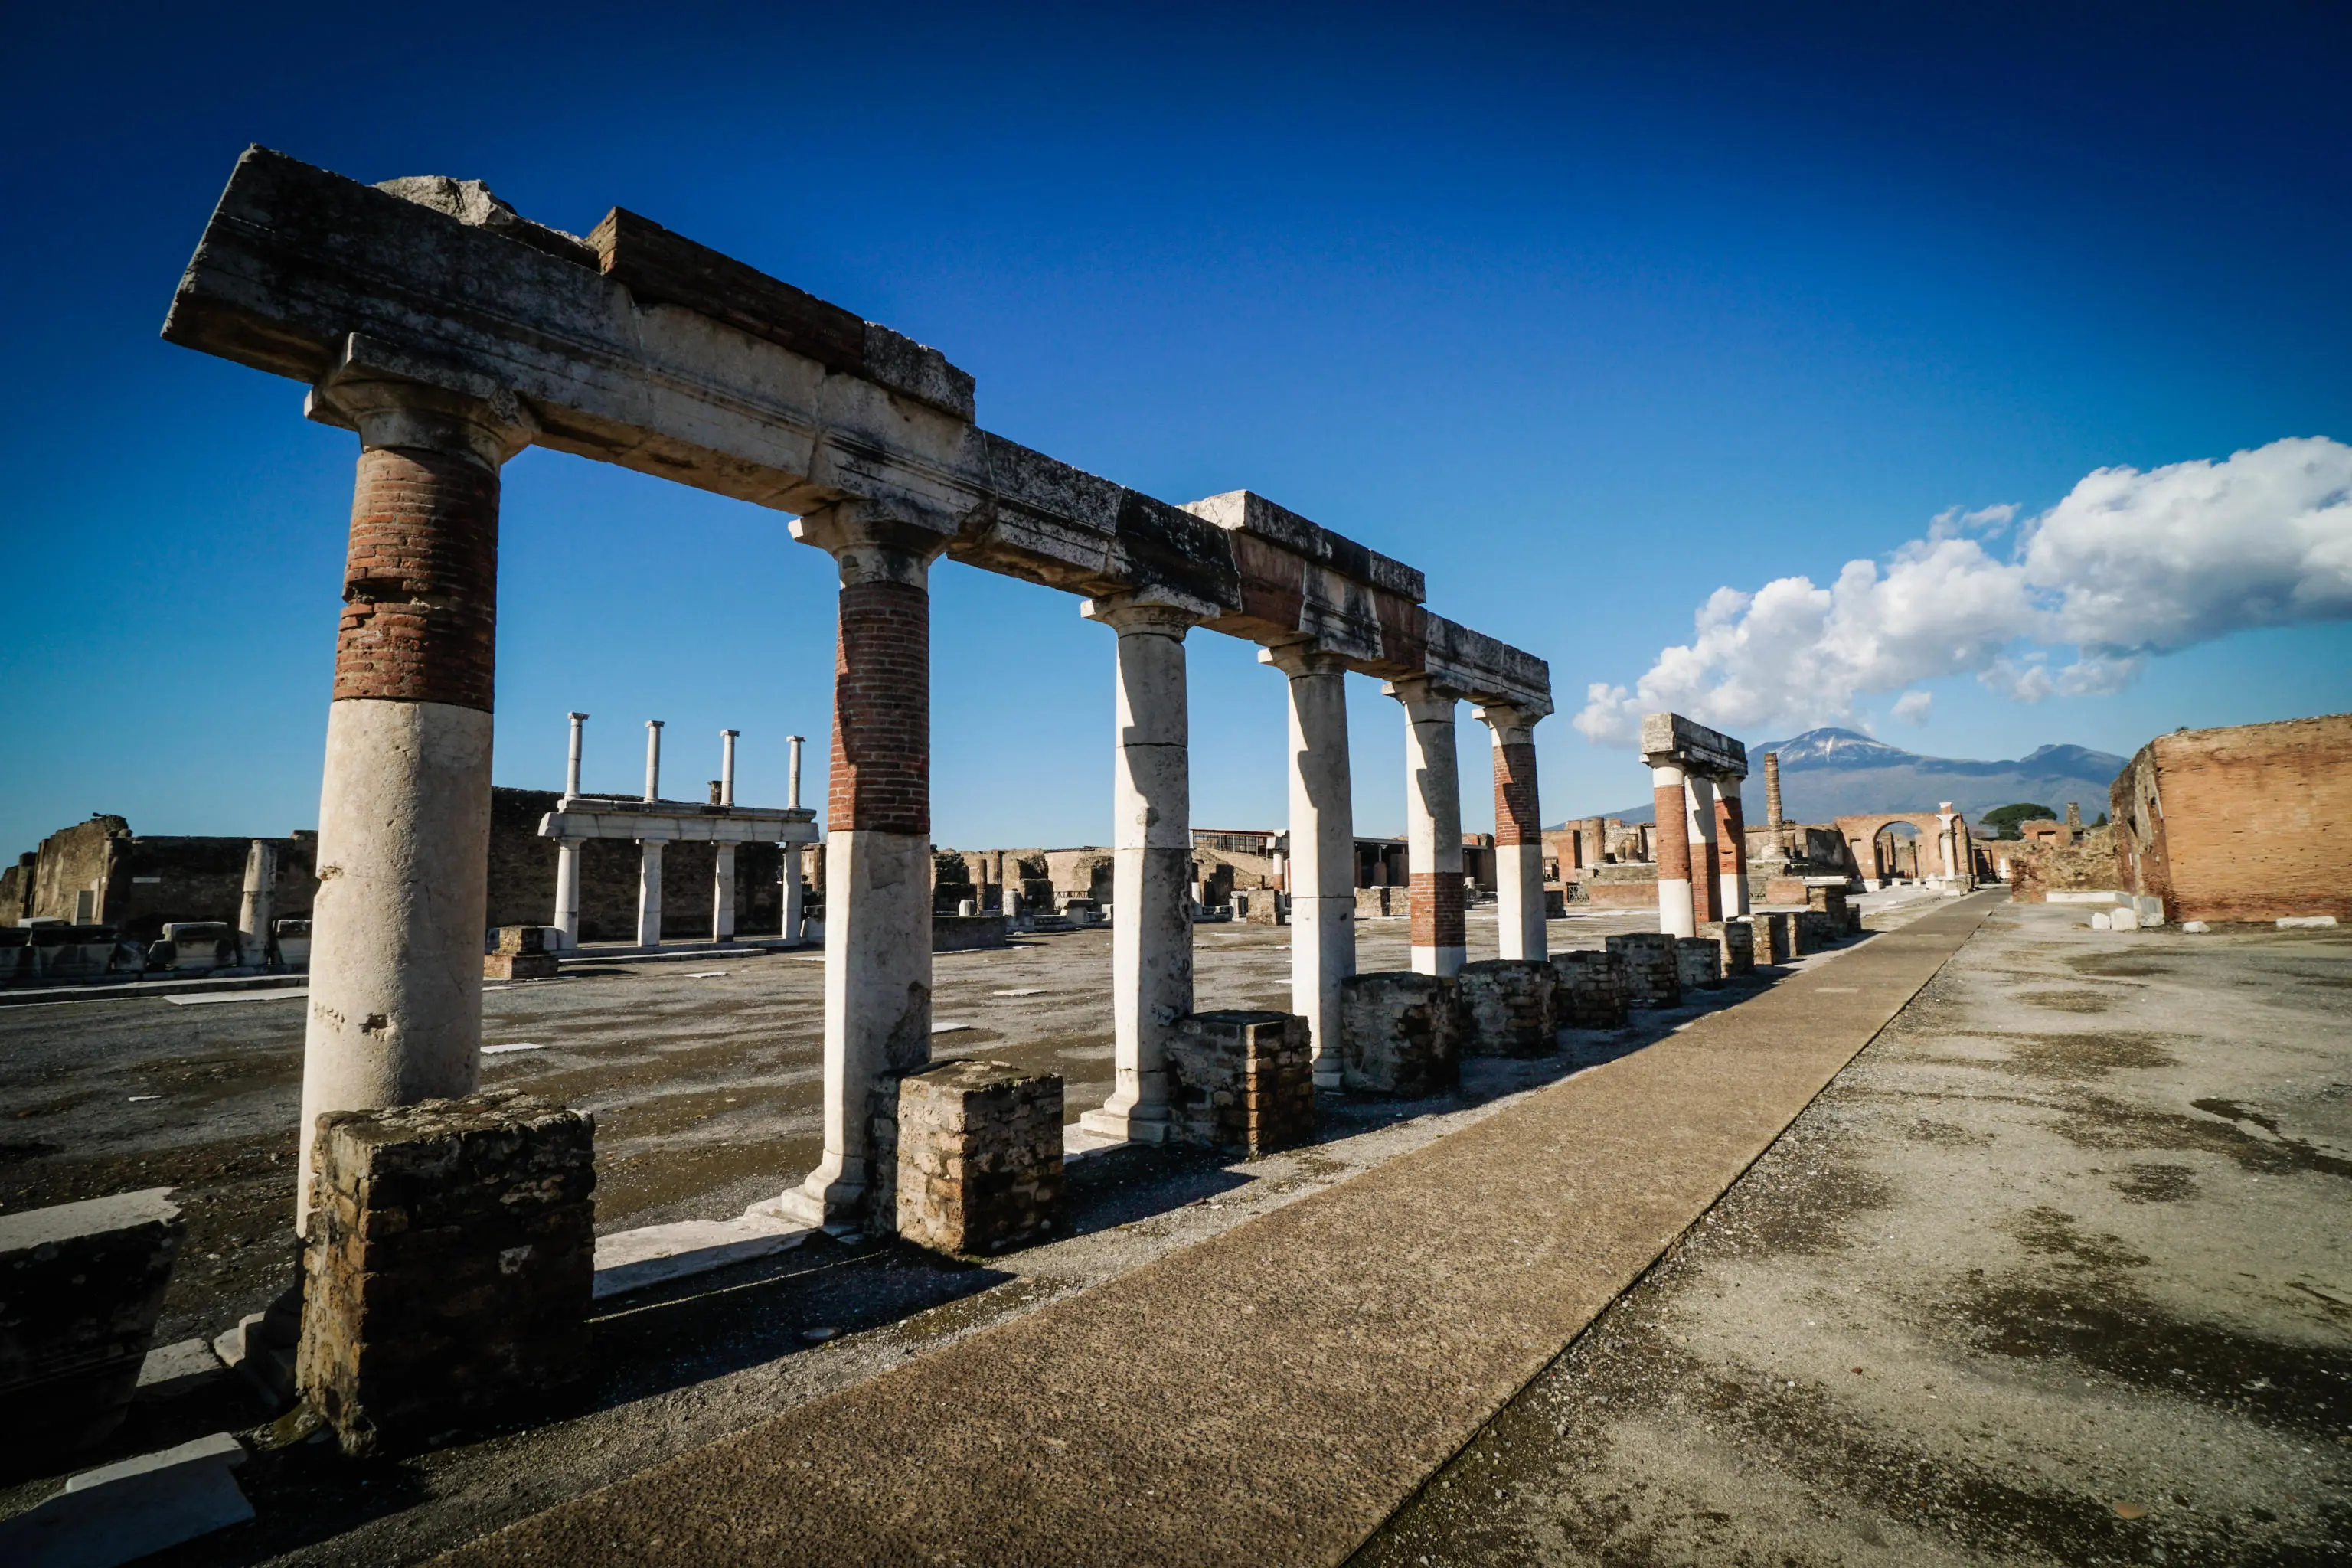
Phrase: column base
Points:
(836, 1205)
(1333, 1078)
(1135, 1126)
(1438, 961)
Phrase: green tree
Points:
(2004, 819)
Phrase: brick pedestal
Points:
(1401, 1034)
(979, 1156)
(1775, 937)
(1698, 963)
(521, 952)
(80, 1287)
(449, 1259)
(1240, 1081)
(1819, 928)
(1591, 992)
(1652, 978)
(1508, 1007)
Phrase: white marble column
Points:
(256, 908)
(792, 928)
(394, 1014)
(567, 891)
(1151, 852)
(653, 760)
(1322, 865)
(649, 900)
(878, 884)
(1519, 834)
(722, 892)
(1432, 800)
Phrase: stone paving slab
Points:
(1270, 1396)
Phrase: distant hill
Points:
(1832, 773)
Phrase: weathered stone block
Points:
(1240, 1081)
(521, 952)
(1819, 928)
(80, 1287)
(1400, 1033)
(1651, 977)
(1853, 920)
(1776, 936)
(449, 1262)
(979, 1156)
(1698, 963)
(1509, 1007)
(1374, 903)
(1737, 940)
(1591, 994)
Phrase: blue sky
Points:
(1587, 317)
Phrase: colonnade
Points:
(1702, 857)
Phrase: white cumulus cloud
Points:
(2127, 567)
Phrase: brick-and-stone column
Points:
(1519, 834)
(1678, 912)
(395, 1003)
(877, 881)
(1151, 856)
(1731, 849)
(1707, 888)
(1432, 803)
(1322, 866)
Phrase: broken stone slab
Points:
(80, 1287)
(126, 1511)
(2305, 923)
(174, 1370)
(655, 1254)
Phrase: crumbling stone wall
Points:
(86, 859)
(2089, 865)
(2244, 823)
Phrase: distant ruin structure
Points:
(2248, 823)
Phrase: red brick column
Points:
(1731, 849)
(1518, 833)
(421, 580)
(1676, 903)
(882, 710)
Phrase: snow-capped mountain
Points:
(1830, 772)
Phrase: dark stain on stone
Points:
(2082, 1055)
(2051, 1232)
(2117, 966)
(2157, 1184)
(2093, 1121)
(2066, 1001)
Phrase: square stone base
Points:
(1591, 992)
(448, 1268)
(1400, 1034)
(979, 1156)
(1698, 963)
(80, 1287)
(1241, 1082)
(1509, 1007)
(1653, 978)
(519, 967)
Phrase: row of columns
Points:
(395, 1014)
(1702, 855)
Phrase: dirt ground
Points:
(2057, 1271)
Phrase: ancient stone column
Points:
(791, 922)
(1772, 818)
(1151, 850)
(567, 850)
(722, 892)
(1593, 841)
(1322, 865)
(727, 766)
(1519, 834)
(1706, 900)
(877, 874)
(571, 761)
(1433, 803)
(257, 907)
(1678, 912)
(649, 902)
(395, 1003)
(653, 760)
(1731, 850)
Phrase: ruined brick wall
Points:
(17, 888)
(171, 878)
(2088, 867)
(1080, 873)
(84, 859)
(2253, 822)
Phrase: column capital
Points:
(1512, 725)
(396, 400)
(1296, 659)
(1424, 693)
(1163, 611)
(871, 543)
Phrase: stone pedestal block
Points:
(1698, 963)
(80, 1286)
(1240, 1081)
(1737, 940)
(449, 1260)
(1853, 920)
(1651, 977)
(1819, 928)
(521, 952)
(1776, 937)
(1830, 900)
(1400, 1033)
(1509, 1007)
(1592, 993)
(979, 1156)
